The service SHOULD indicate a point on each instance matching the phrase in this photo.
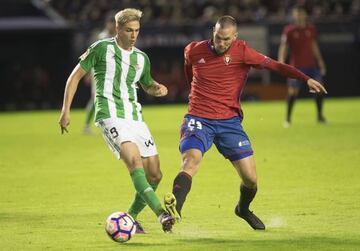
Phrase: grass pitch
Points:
(57, 190)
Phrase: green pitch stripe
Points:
(130, 83)
(116, 84)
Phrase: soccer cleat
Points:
(286, 124)
(250, 218)
(139, 228)
(322, 120)
(167, 221)
(170, 205)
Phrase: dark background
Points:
(40, 45)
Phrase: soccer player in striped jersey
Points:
(217, 70)
(118, 66)
(305, 55)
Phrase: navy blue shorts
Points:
(312, 72)
(227, 135)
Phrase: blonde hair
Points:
(128, 15)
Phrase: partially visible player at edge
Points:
(218, 69)
(108, 31)
(117, 67)
(305, 55)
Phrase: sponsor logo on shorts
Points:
(244, 143)
(149, 142)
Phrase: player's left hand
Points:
(315, 86)
(160, 90)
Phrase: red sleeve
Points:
(285, 70)
(254, 58)
(187, 64)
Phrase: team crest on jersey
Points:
(85, 54)
(227, 59)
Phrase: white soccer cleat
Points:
(286, 124)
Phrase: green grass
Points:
(56, 191)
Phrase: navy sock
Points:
(319, 104)
(181, 187)
(290, 104)
(246, 196)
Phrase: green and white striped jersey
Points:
(116, 72)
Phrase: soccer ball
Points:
(120, 226)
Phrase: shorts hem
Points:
(240, 156)
(192, 142)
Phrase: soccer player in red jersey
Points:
(305, 55)
(217, 70)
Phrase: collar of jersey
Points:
(123, 50)
(212, 49)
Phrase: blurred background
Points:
(41, 41)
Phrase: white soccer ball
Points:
(120, 226)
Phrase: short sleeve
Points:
(146, 78)
(254, 58)
(90, 57)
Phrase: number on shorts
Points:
(194, 124)
(114, 132)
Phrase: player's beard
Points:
(220, 50)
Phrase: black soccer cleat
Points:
(250, 218)
(322, 120)
(167, 221)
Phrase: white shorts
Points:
(116, 131)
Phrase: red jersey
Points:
(217, 80)
(300, 40)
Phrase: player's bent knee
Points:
(155, 177)
(250, 182)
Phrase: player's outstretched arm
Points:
(156, 89)
(291, 72)
(70, 89)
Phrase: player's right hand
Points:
(315, 86)
(64, 121)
